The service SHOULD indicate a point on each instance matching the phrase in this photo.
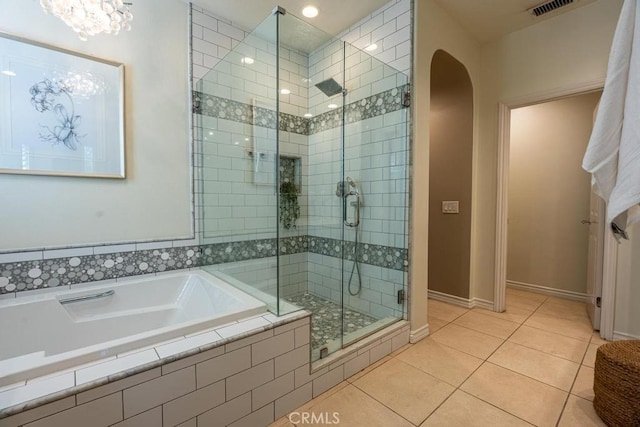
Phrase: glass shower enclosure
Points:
(301, 146)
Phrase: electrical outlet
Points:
(450, 206)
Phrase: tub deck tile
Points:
(183, 345)
(22, 397)
(120, 364)
(36, 389)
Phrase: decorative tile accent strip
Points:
(27, 275)
(372, 106)
(378, 255)
(38, 274)
(222, 108)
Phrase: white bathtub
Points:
(39, 335)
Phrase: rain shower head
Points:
(329, 87)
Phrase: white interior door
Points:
(596, 253)
(595, 260)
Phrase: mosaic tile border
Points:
(223, 108)
(368, 253)
(375, 105)
(39, 274)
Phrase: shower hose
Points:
(355, 268)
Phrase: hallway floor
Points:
(532, 365)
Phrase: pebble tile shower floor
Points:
(326, 319)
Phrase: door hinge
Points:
(401, 296)
(406, 99)
(598, 301)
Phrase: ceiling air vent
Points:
(549, 6)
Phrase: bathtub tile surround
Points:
(51, 273)
(88, 380)
(256, 377)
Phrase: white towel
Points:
(613, 153)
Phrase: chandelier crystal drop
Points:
(91, 17)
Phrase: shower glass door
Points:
(352, 148)
(302, 146)
(374, 163)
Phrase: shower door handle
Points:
(344, 210)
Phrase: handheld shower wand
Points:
(344, 190)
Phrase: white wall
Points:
(627, 311)
(434, 29)
(549, 193)
(154, 201)
(566, 51)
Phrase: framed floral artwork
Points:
(62, 113)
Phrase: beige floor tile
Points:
(282, 422)
(571, 305)
(577, 329)
(583, 386)
(401, 350)
(523, 302)
(368, 369)
(444, 311)
(444, 363)
(548, 342)
(526, 398)
(579, 412)
(590, 357)
(462, 409)
(355, 408)
(540, 366)
(466, 340)
(487, 324)
(512, 314)
(571, 310)
(405, 389)
(435, 324)
(524, 294)
(322, 397)
(596, 339)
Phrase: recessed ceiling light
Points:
(247, 60)
(285, 91)
(332, 106)
(310, 11)
(308, 115)
(9, 73)
(371, 47)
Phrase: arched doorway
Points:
(450, 178)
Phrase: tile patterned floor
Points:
(326, 320)
(532, 365)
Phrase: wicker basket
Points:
(617, 383)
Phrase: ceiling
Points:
(335, 15)
(485, 20)
(488, 20)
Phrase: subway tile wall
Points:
(213, 38)
(252, 381)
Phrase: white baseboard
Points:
(545, 290)
(482, 303)
(619, 336)
(459, 301)
(418, 334)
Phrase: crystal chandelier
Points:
(90, 17)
